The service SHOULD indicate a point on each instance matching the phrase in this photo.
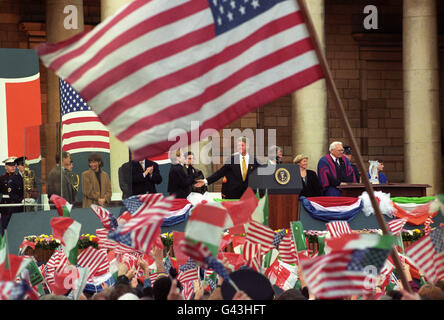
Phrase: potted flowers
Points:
(42, 247)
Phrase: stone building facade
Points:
(388, 78)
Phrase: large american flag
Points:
(82, 130)
(157, 65)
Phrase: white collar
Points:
(334, 158)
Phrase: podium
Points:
(395, 189)
(283, 183)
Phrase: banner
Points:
(20, 104)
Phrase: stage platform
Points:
(37, 222)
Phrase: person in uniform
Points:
(9, 195)
(348, 155)
(17, 193)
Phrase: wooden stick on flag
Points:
(340, 108)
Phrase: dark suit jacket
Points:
(131, 179)
(179, 183)
(197, 175)
(125, 179)
(233, 187)
(311, 188)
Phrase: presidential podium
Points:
(283, 183)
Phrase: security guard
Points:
(5, 189)
(17, 186)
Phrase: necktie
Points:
(244, 169)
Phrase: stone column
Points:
(422, 141)
(119, 153)
(62, 22)
(309, 105)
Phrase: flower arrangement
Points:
(167, 239)
(412, 235)
(48, 242)
(44, 241)
(312, 235)
(87, 240)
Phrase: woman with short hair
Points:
(96, 185)
(310, 182)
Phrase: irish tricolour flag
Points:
(206, 225)
(67, 230)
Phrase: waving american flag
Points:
(157, 65)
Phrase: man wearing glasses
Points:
(334, 169)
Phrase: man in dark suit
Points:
(180, 181)
(234, 172)
(348, 155)
(145, 175)
(139, 177)
(196, 173)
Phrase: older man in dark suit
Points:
(234, 172)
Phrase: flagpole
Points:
(340, 108)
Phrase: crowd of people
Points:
(251, 285)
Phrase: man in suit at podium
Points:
(234, 172)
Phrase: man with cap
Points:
(6, 191)
(17, 190)
(348, 155)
